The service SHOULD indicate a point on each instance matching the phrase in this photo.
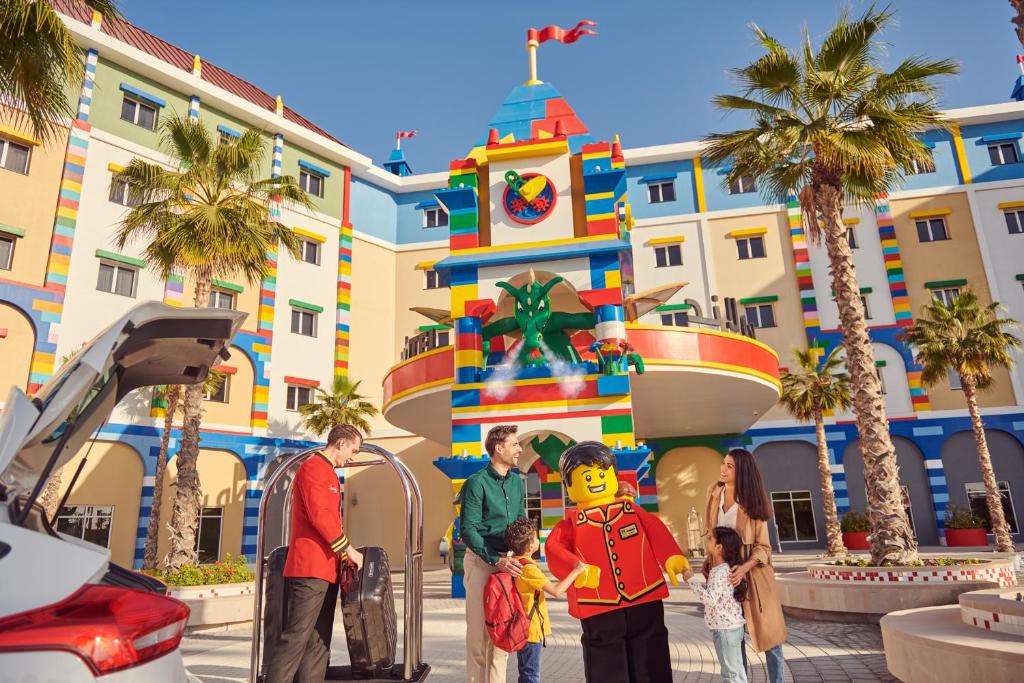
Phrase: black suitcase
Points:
(274, 608)
(368, 610)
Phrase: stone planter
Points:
(216, 606)
(856, 540)
(966, 538)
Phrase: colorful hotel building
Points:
(382, 241)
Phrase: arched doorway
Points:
(963, 474)
(103, 508)
(917, 497)
(231, 404)
(683, 476)
(790, 473)
(17, 342)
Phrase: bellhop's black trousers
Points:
(304, 649)
(627, 645)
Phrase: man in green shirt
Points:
(492, 499)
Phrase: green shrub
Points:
(962, 518)
(928, 562)
(854, 521)
(229, 570)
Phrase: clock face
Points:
(532, 201)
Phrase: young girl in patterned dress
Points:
(723, 611)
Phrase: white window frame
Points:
(929, 225)
(851, 237)
(113, 278)
(743, 185)
(9, 264)
(1016, 216)
(1003, 150)
(954, 380)
(433, 279)
(880, 372)
(224, 391)
(291, 400)
(791, 500)
(122, 195)
(435, 217)
(139, 104)
(304, 182)
(220, 532)
(663, 256)
(673, 319)
(756, 320)
(1001, 485)
(317, 250)
(656, 192)
(5, 146)
(744, 251)
(87, 512)
(946, 295)
(217, 294)
(302, 312)
(864, 303)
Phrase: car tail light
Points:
(109, 628)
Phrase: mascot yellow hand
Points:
(675, 565)
(589, 578)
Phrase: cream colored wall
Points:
(15, 349)
(112, 476)
(956, 258)
(683, 476)
(222, 479)
(35, 205)
(237, 411)
(374, 507)
(248, 300)
(410, 290)
(773, 275)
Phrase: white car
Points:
(66, 612)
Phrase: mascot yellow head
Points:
(588, 470)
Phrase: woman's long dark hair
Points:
(732, 554)
(750, 491)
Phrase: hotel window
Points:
(669, 255)
(976, 498)
(14, 157)
(139, 113)
(311, 182)
(946, 295)
(760, 315)
(750, 247)
(1014, 221)
(220, 395)
(121, 194)
(6, 252)
(851, 237)
(677, 319)
(932, 230)
(298, 397)
(304, 322)
(115, 278)
(794, 515)
(954, 380)
(435, 218)
(221, 298)
(916, 167)
(879, 371)
(311, 252)
(908, 510)
(1003, 153)
(743, 185)
(867, 311)
(661, 192)
(90, 523)
(436, 279)
(211, 520)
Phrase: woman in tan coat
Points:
(739, 501)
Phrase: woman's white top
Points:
(727, 519)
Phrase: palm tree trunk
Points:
(149, 555)
(892, 542)
(51, 493)
(1018, 18)
(1000, 529)
(833, 532)
(187, 501)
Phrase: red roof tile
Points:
(181, 59)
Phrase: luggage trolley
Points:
(412, 669)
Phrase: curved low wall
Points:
(216, 606)
(998, 571)
(998, 609)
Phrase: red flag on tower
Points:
(405, 134)
(560, 34)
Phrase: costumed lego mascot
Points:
(618, 599)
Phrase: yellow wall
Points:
(683, 476)
(15, 349)
(35, 205)
(112, 476)
(237, 410)
(956, 258)
(410, 283)
(222, 479)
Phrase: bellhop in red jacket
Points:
(318, 542)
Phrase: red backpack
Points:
(507, 622)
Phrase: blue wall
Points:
(372, 210)
(981, 167)
(716, 193)
(946, 171)
(685, 190)
(410, 219)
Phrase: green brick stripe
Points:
(673, 307)
(227, 285)
(759, 300)
(307, 306)
(119, 258)
(939, 284)
(1020, 276)
(11, 230)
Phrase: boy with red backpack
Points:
(518, 621)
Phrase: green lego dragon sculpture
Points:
(539, 325)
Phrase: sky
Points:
(365, 69)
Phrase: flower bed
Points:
(218, 595)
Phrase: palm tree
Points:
(172, 395)
(829, 126)
(968, 339)
(342, 405)
(40, 63)
(807, 394)
(208, 217)
(1018, 19)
